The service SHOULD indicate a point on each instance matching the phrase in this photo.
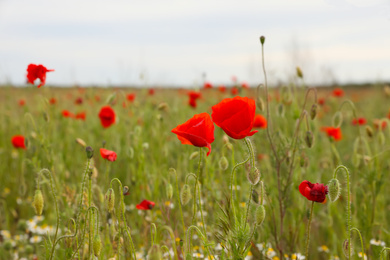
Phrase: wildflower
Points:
(192, 103)
(107, 116)
(377, 242)
(197, 131)
(37, 72)
(66, 113)
(108, 155)
(207, 85)
(78, 101)
(359, 121)
(193, 97)
(145, 205)
(271, 252)
(245, 85)
(323, 248)
(18, 141)
(338, 92)
(151, 91)
(377, 124)
(360, 255)
(81, 116)
(35, 239)
(130, 97)
(313, 192)
(235, 116)
(52, 101)
(5, 234)
(234, 91)
(321, 101)
(22, 102)
(222, 89)
(260, 122)
(334, 132)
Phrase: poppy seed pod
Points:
(185, 195)
(262, 39)
(169, 190)
(110, 199)
(309, 138)
(313, 111)
(154, 253)
(89, 151)
(223, 163)
(260, 215)
(260, 103)
(337, 119)
(38, 202)
(253, 175)
(97, 245)
(334, 190)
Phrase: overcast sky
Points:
(112, 42)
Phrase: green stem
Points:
(195, 187)
(91, 217)
(361, 240)
(348, 206)
(153, 237)
(170, 231)
(179, 202)
(252, 156)
(308, 231)
(382, 251)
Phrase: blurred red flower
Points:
(338, 92)
(321, 101)
(66, 113)
(193, 96)
(81, 115)
(145, 205)
(260, 121)
(130, 97)
(197, 131)
(377, 123)
(22, 102)
(37, 72)
(108, 155)
(245, 85)
(52, 101)
(314, 191)
(222, 89)
(192, 102)
(107, 116)
(235, 116)
(78, 101)
(234, 91)
(207, 85)
(151, 91)
(334, 132)
(359, 121)
(18, 141)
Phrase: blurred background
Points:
(183, 43)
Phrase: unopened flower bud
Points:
(97, 245)
(185, 195)
(281, 110)
(162, 106)
(38, 202)
(346, 248)
(111, 99)
(253, 176)
(313, 111)
(229, 146)
(260, 103)
(255, 196)
(110, 199)
(260, 215)
(369, 131)
(299, 73)
(223, 163)
(334, 190)
(194, 155)
(337, 119)
(154, 253)
(89, 151)
(45, 116)
(262, 39)
(126, 191)
(81, 142)
(309, 138)
(169, 190)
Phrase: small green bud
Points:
(313, 111)
(172, 171)
(194, 155)
(97, 245)
(45, 116)
(260, 103)
(299, 73)
(281, 110)
(337, 119)
(309, 138)
(38, 202)
(7, 245)
(223, 163)
(110, 199)
(369, 131)
(262, 39)
(89, 151)
(229, 146)
(126, 190)
(169, 190)
(334, 190)
(255, 196)
(185, 195)
(346, 248)
(154, 253)
(29, 249)
(253, 176)
(260, 215)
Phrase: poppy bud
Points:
(185, 195)
(304, 161)
(29, 249)
(260, 215)
(126, 191)
(89, 151)
(387, 91)
(255, 196)
(253, 176)
(194, 155)
(162, 106)
(172, 171)
(346, 248)
(81, 142)
(337, 119)
(8, 245)
(369, 131)
(299, 73)
(262, 39)
(154, 253)
(260, 103)
(223, 163)
(45, 116)
(309, 138)
(110, 199)
(169, 190)
(38, 202)
(286, 95)
(225, 139)
(313, 111)
(281, 110)
(229, 146)
(97, 245)
(334, 190)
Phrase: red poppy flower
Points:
(194, 95)
(334, 132)
(18, 141)
(145, 205)
(260, 121)
(107, 116)
(222, 89)
(97, 98)
(22, 102)
(52, 101)
(130, 97)
(207, 85)
(66, 113)
(234, 91)
(234, 79)
(78, 101)
(338, 92)
(235, 116)
(377, 123)
(359, 121)
(388, 116)
(192, 102)
(37, 72)
(81, 115)
(198, 131)
(151, 92)
(313, 191)
(321, 101)
(108, 155)
(245, 85)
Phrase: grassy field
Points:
(154, 165)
